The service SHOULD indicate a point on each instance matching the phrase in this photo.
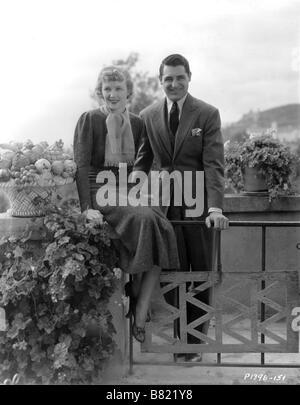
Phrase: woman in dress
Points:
(105, 137)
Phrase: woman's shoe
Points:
(132, 302)
(132, 299)
(138, 333)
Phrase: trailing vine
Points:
(55, 294)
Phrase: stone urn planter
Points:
(30, 174)
(24, 201)
(32, 200)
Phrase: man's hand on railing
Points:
(217, 220)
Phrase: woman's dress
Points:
(145, 236)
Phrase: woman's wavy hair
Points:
(113, 73)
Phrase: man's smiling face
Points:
(175, 82)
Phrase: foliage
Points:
(266, 153)
(294, 145)
(55, 294)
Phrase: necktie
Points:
(174, 118)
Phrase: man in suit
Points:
(184, 134)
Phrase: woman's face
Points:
(115, 95)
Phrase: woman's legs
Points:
(136, 284)
(147, 286)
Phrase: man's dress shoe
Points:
(191, 357)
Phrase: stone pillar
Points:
(118, 365)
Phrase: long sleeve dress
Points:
(146, 237)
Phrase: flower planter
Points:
(22, 199)
(254, 181)
(265, 153)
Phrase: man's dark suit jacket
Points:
(193, 153)
(202, 153)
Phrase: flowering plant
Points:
(263, 151)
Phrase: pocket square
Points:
(196, 132)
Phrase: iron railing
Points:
(217, 253)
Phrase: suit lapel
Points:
(189, 114)
(135, 130)
(162, 128)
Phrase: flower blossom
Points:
(117, 272)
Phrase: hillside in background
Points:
(286, 119)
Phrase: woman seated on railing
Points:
(105, 137)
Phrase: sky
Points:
(243, 54)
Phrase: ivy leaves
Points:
(272, 158)
(55, 293)
(19, 323)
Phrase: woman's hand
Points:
(94, 216)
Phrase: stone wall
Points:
(241, 246)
